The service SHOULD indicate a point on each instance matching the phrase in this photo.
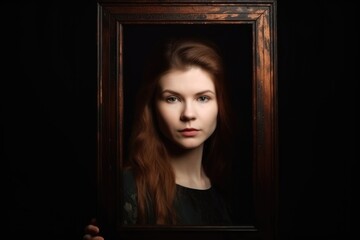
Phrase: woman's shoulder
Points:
(129, 197)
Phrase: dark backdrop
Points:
(48, 118)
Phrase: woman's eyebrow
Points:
(205, 92)
(177, 93)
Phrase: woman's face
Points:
(187, 108)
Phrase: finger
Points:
(89, 237)
(97, 238)
(92, 229)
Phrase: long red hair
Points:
(149, 159)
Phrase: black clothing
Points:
(193, 206)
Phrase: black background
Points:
(48, 118)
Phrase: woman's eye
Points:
(203, 98)
(172, 99)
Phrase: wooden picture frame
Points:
(123, 25)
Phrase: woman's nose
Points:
(188, 112)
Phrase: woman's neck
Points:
(188, 169)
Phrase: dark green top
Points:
(193, 206)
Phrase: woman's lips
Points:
(189, 132)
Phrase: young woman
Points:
(179, 143)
